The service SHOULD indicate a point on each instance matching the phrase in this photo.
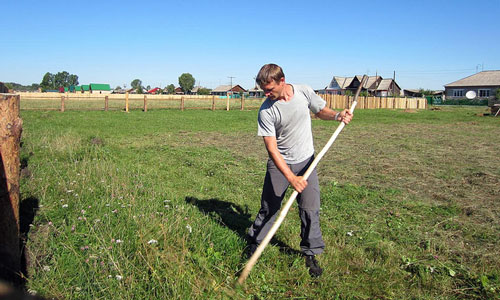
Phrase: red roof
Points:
(153, 91)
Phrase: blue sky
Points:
(427, 43)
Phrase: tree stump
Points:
(10, 135)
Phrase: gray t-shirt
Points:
(290, 123)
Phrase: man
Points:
(285, 124)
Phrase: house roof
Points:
(484, 78)
(256, 89)
(100, 87)
(385, 84)
(227, 88)
(153, 90)
(222, 88)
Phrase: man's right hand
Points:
(298, 183)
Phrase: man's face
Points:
(274, 89)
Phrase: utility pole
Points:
(231, 77)
(393, 83)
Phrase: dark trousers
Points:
(275, 186)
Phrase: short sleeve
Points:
(265, 124)
(316, 103)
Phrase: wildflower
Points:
(90, 206)
(152, 242)
(118, 277)
(115, 211)
(167, 206)
(349, 233)
(46, 268)
(50, 223)
(69, 191)
(189, 228)
(73, 228)
(119, 241)
(65, 205)
(83, 211)
(107, 204)
(78, 288)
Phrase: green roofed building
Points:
(100, 88)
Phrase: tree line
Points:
(186, 83)
(63, 79)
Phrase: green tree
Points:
(47, 82)
(136, 84)
(61, 79)
(204, 91)
(73, 80)
(497, 94)
(425, 92)
(170, 89)
(186, 81)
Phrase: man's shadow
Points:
(234, 217)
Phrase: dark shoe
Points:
(251, 249)
(313, 266)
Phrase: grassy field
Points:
(155, 206)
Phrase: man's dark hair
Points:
(269, 73)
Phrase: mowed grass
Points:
(155, 206)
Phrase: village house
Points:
(223, 90)
(374, 86)
(484, 85)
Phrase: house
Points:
(387, 88)
(223, 90)
(375, 86)
(179, 91)
(484, 85)
(256, 92)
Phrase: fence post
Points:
(242, 101)
(62, 103)
(106, 103)
(10, 135)
(213, 103)
(182, 103)
(126, 102)
(227, 101)
(145, 103)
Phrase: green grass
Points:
(409, 207)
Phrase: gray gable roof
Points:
(484, 78)
(222, 88)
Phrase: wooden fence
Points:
(342, 101)
(76, 101)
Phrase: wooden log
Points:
(145, 103)
(10, 135)
(62, 103)
(106, 103)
